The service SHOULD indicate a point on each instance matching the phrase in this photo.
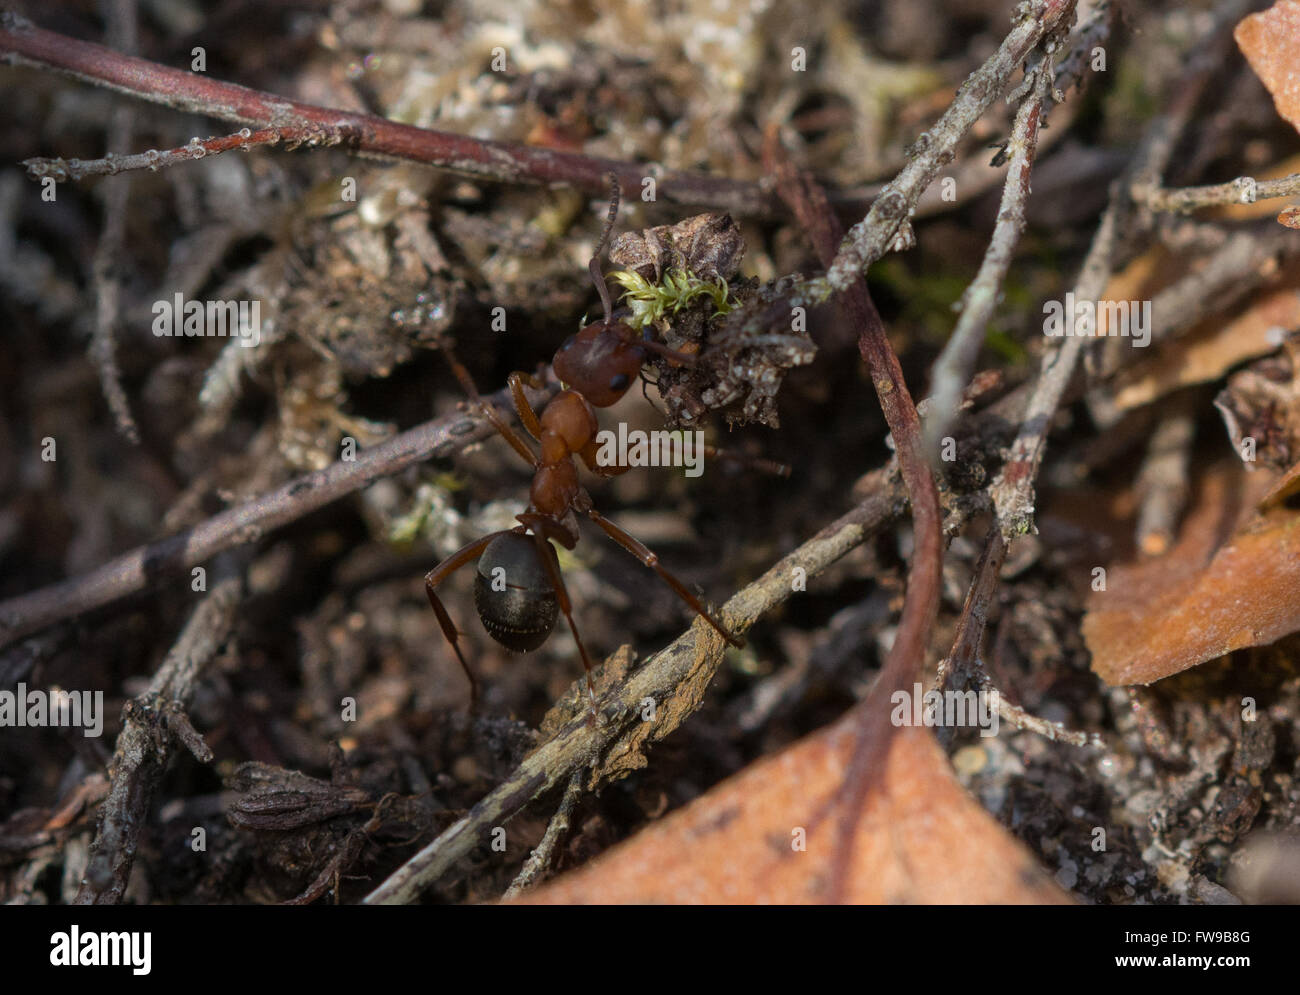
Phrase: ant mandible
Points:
(519, 587)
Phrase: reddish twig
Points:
(22, 43)
(63, 170)
(921, 604)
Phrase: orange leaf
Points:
(921, 838)
(1214, 346)
(1206, 596)
(1270, 41)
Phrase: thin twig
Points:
(1242, 190)
(921, 603)
(1162, 485)
(973, 175)
(22, 43)
(142, 747)
(953, 369)
(103, 344)
(1025, 721)
(871, 237)
(1013, 489)
(675, 678)
(539, 861)
(64, 170)
(247, 523)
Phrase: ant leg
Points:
(651, 560)
(527, 414)
(466, 554)
(489, 412)
(562, 595)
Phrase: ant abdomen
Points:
(514, 594)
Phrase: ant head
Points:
(600, 362)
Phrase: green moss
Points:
(651, 302)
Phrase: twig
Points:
(535, 867)
(675, 678)
(103, 346)
(142, 566)
(869, 239)
(22, 43)
(921, 603)
(974, 176)
(1162, 486)
(1056, 732)
(1177, 306)
(956, 363)
(1242, 190)
(1013, 489)
(63, 170)
(142, 747)
(963, 660)
(964, 663)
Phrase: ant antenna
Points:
(593, 267)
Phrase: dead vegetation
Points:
(228, 539)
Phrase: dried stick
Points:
(103, 344)
(142, 747)
(973, 176)
(1013, 489)
(22, 43)
(539, 860)
(921, 603)
(142, 566)
(1242, 190)
(869, 239)
(1025, 721)
(63, 170)
(956, 363)
(1162, 485)
(675, 678)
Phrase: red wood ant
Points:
(519, 587)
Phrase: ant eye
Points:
(567, 343)
(619, 381)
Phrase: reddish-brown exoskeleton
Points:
(518, 587)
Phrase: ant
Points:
(518, 586)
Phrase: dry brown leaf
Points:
(1287, 486)
(1214, 346)
(1270, 40)
(921, 838)
(1231, 581)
